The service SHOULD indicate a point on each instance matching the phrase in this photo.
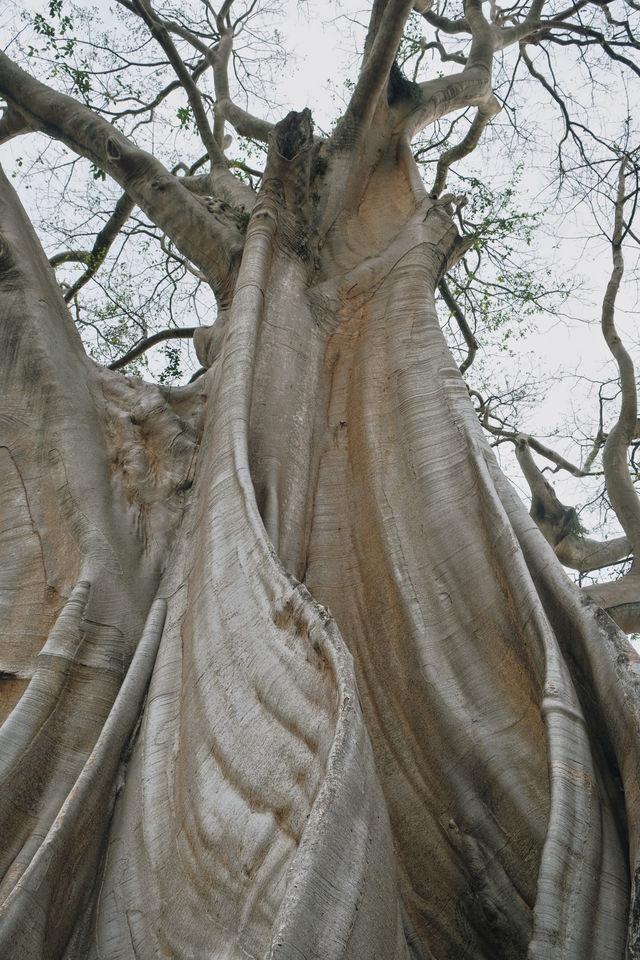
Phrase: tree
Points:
(289, 670)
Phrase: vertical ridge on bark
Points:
(41, 696)
(85, 527)
(606, 670)
(427, 633)
(404, 780)
(253, 718)
(38, 912)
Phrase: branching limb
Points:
(554, 457)
(470, 86)
(113, 226)
(160, 33)
(245, 123)
(598, 443)
(530, 26)
(212, 242)
(446, 56)
(179, 29)
(469, 142)
(445, 24)
(172, 333)
(561, 463)
(593, 37)
(559, 523)
(386, 26)
(222, 181)
(553, 93)
(620, 488)
(166, 249)
(461, 320)
(158, 99)
(534, 28)
(12, 123)
(498, 428)
(510, 27)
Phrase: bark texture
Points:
(288, 670)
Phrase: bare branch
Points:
(144, 345)
(469, 142)
(620, 488)
(388, 18)
(553, 93)
(454, 57)
(559, 523)
(172, 26)
(245, 123)
(69, 256)
(596, 38)
(171, 255)
(158, 99)
(221, 179)
(461, 320)
(598, 443)
(561, 462)
(554, 518)
(446, 25)
(103, 241)
(212, 242)
(524, 441)
(471, 86)
(160, 33)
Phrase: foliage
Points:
(502, 284)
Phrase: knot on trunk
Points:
(10, 275)
(293, 135)
(287, 179)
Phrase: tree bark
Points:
(379, 721)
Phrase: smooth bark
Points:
(380, 721)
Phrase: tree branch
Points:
(556, 458)
(470, 86)
(69, 256)
(454, 57)
(559, 523)
(461, 320)
(104, 239)
(144, 345)
(222, 180)
(621, 599)
(620, 488)
(466, 146)
(160, 33)
(12, 123)
(212, 242)
(517, 437)
(585, 554)
(445, 24)
(386, 26)
(550, 90)
(244, 123)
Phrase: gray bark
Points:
(289, 671)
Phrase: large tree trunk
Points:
(313, 684)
